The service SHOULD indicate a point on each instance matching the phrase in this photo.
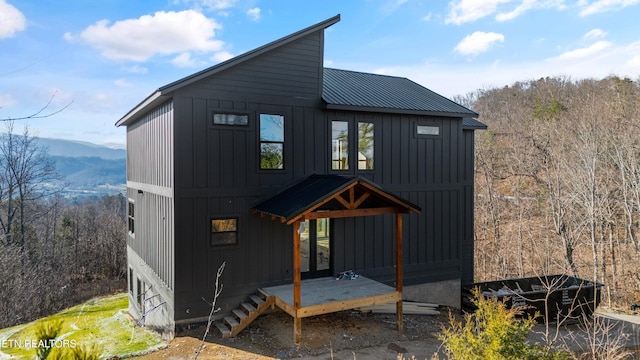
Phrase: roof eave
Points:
(151, 101)
(398, 111)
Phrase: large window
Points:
(271, 141)
(224, 232)
(342, 146)
(365, 146)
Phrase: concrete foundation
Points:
(446, 293)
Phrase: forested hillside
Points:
(54, 252)
(558, 182)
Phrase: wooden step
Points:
(248, 307)
(231, 321)
(263, 294)
(226, 332)
(256, 300)
(240, 315)
(248, 311)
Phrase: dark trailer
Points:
(205, 151)
(553, 297)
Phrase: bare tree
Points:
(25, 172)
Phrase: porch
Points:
(328, 295)
(330, 197)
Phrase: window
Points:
(230, 119)
(365, 146)
(224, 232)
(131, 215)
(339, 145)
(140, 293)
(131, 281)
(271, 141)
(427, 130)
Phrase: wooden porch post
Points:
(297, 322)
(399, 270)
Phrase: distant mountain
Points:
(73, 148)
(87, 169)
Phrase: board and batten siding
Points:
(150, 187)
(430, 171)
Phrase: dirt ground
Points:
(343, 335)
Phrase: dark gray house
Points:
(292, 173)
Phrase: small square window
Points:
(224, 232)
(427, 130)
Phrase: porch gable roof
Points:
(332, 196)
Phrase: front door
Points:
(315, 248)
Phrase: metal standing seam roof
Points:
(304, 194)
(470, 123)
(351, 90)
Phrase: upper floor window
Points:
(271, 141)
(230, 119)
(365, 146)
(131, 217)
(341, 145)
(427, 130)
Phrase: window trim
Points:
(236, 231)
(353, 145)
(222, 112)
(419, 124)
(131, 283)
(373, 150)
(348, 164)
(131, 217)
(282, 143)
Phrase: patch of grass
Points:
(101, 322)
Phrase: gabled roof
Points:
(164, 93)
(331, 196)
(351, 90)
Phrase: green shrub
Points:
(493, 332)
(46, 332)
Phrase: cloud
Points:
(586, 52)
(11, 20)
(595, 34)
(212, 5)
(122, 83)
(136, 69)
(163, 33)
(478, 42)
(600, 6)
(519, 10)
(184, 60)
(388, 7)
(254, 14)
(427, 17)
(6, 100)
(464, 11)
(221, 56)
